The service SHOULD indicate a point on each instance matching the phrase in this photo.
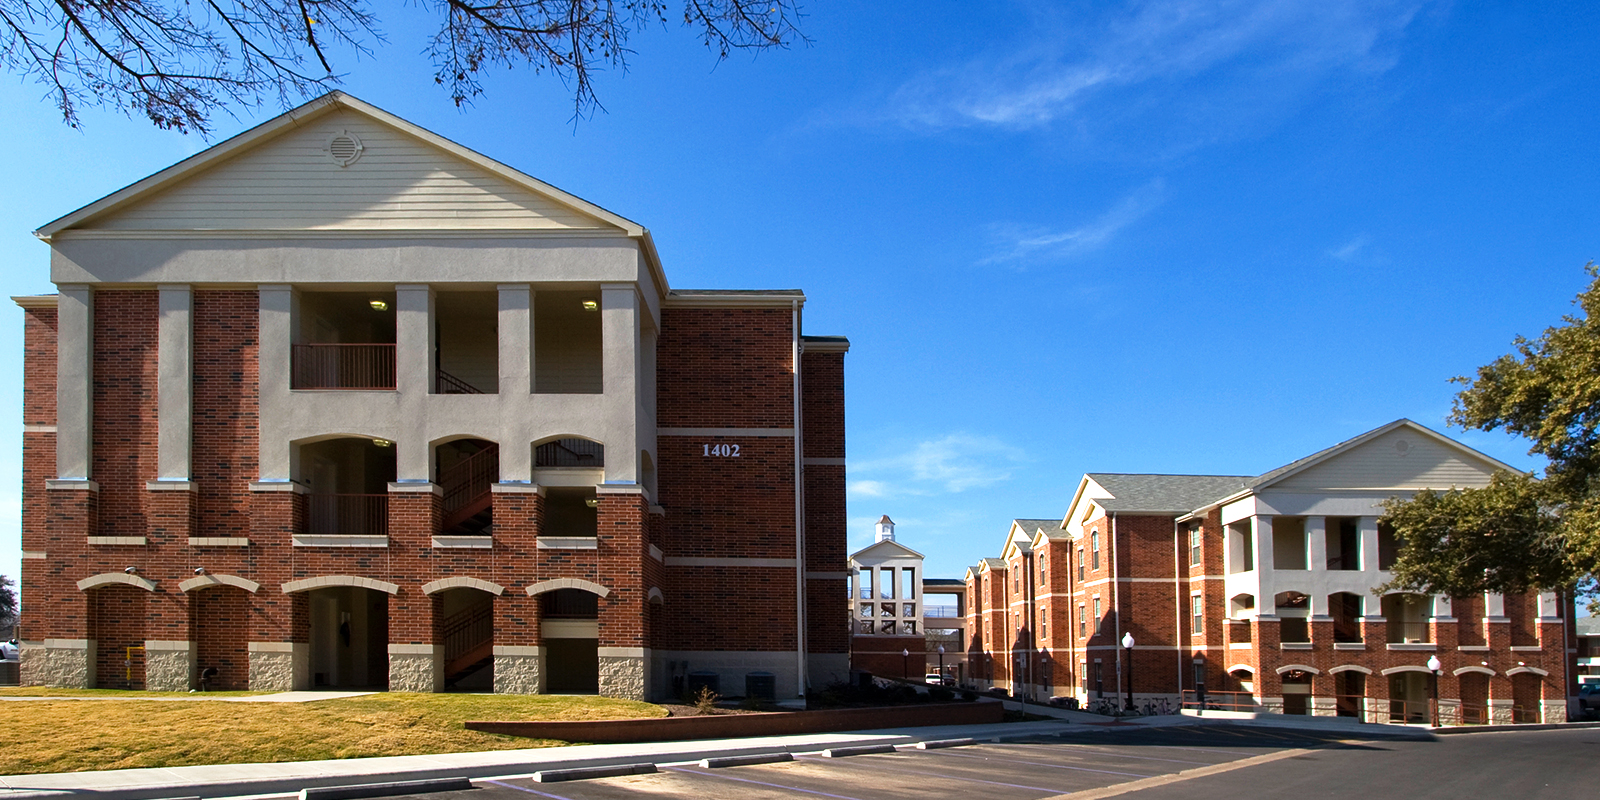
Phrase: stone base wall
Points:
(279, 666)
(1553, 711)
(518, 670)
(168, 666)
(416, 668)
(731, 667)
(1501, 713)
(835, 668)
(67, 663)
(623, 676)
(1449, 711)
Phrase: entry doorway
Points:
(1408, 697)
(570, 628)
(349, 638)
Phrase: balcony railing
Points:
(939, 611)
(342, 366)
(347, 514)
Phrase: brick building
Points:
(339, 402)
(1259, 590)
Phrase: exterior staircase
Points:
(468, 642)
(468, 501)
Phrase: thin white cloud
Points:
(1175, 45)
(1016, 243)
(1350, 250)
(953, 463)
(868, 488)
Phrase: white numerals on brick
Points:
(719, 450)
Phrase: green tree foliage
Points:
(8, 603)
(176, 62)
(1521, 532)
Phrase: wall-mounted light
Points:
(590, 305)
(199, 570)
(592, 502)
(378, 305)
(382, 443)
(131, 570)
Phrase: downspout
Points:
(1116, 603)
(802, 679)
(1177, 600)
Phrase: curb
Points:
(861, 750)
(745, 761)
(1457, 730)
(585, 773)
(384, 789)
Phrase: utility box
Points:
(703, 679)
(761, 686)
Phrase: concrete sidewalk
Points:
(234, 780)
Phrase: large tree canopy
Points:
(176, 62)
(1520, 533)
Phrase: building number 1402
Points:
(720, 450)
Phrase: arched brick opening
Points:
(116, 614)
(219, 623)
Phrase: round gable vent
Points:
(344, 148)
(1402, 446)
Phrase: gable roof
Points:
(1162, 494)
(886, 544)
(1324, 455)
(305, 114)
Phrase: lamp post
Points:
(1127, 644)
(1434, 670)
(941, 665)
(1022, 696)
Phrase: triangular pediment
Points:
(884, 550)
(337, 164)
(1400, 456)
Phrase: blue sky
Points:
(1154, 237)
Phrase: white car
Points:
(935, 679)
(8, 651)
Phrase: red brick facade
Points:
(1040, 603)
(710, 565)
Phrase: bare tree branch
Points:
(178, 62)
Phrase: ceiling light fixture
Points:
(590, 305)
(382, 442)
(378, 305)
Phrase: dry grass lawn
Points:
(77, 735)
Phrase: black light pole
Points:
(1127, 644)
(1434, 670)
(905, 663)
(941, 665)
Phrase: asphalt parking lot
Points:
(1193, 762)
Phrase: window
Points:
(1044, 623)
(1083, 674)
(908, 589)
(909, 628)
(1080, 565)
(1083, 623)
(1016, 580)
(866, 609)
(1197, 607)
(1194, 546)
(1094, 550)
(910, 609)
(1099, 622)
(886, 583)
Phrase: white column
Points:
(175, 382)
(1549, 609)
(1368, 529)
(74, 380)
(1262, 525)
(1494, 607)
(619, 336)
(414, 373)
(516, 375)
(277, 334)
(1317, 541)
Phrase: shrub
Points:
(705, 702)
